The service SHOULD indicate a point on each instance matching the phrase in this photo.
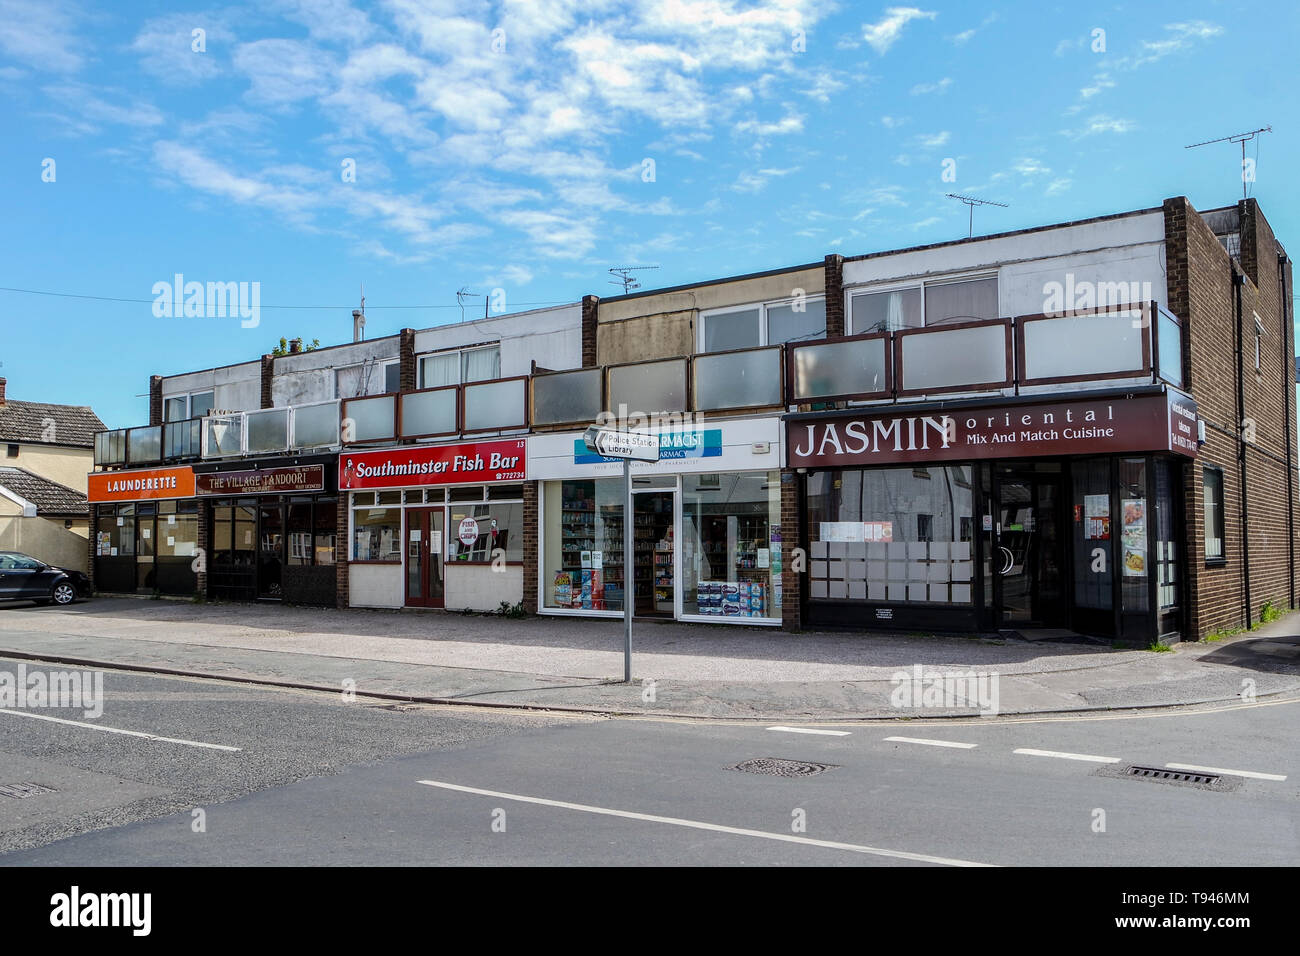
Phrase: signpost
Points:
(611, 443)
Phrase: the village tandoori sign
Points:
(1146, 423)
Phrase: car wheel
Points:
(64, 593)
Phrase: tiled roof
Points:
(49, 497)
(46, 424)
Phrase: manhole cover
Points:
(1181, 778)
(21, 791)
(780, 767)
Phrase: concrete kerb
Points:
(615, 713)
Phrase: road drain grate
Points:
(1173, 776)
(780, 767)
(22, 791)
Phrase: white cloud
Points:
(1028, 166)
(940, 86)
(754, 181)
(40, 34)
(283, 71)
(1181, 36)
(824, 86)
(959, 38)
(1057, 186)
(885, 32)
(932, 140)
(782, 127)
(165, 47)
(1101, 124)
(892, 122)
(926, 223)
(94, 109)
(1100, 82)
(327, 20)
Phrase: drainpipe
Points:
(1238, 280)
(1288, 390)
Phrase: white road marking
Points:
(812, 730)
(698, 825)
(118, 730)
(1232, 773)
(932, 743)
(1066, 756)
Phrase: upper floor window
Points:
(460, 366)
(194, 405)
(769, 323)
(368, 378)
(929, 303)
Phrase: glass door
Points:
(270, 550)
(1027, 558)
(424, 562)
(146, 577)
(654, 550)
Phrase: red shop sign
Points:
(466, 463)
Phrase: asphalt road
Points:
(318, 781)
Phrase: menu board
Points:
(1134, 537)
(1096, 516)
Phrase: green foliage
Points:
(283, 347)
(1269, 612)
(512, 610)
(1159, 648)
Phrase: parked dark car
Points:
(24, 578)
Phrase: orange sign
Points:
(140, 485)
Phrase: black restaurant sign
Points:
(1145, 423)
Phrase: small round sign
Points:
(468, 532)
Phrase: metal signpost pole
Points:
(629, 578)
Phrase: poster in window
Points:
(1133, 511)
(878, 530)
(1096, 513)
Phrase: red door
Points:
(424, 549)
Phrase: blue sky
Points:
(505, 145)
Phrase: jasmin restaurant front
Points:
(1057, 514)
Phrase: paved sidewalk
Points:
(693, 670)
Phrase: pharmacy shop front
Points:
(706, 525)
(435, 526)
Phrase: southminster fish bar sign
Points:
(1143, 423)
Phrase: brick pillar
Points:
(342, 548)
(268, 373)
(90, 544)
(531, 491)
(406, 354)
(791, 539)
(834, 295)
(205, 547)
(589, 325)
(1176, 274)
(155, 400)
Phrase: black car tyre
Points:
(64, 593)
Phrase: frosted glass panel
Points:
(429, 413)
(494, 405)
(650, 388)
(315, 426)
(145, 444)
(222, 436)
(567, 397)
(372, 418)
(268, 430)
(1083, 345)
(738, 380)
(954, 357)
(839, 368)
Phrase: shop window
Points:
(731, 565)
(865, 545)
(178, 531)
(300, 531)
(1133, 516)
(582, 560)
(492, 527)
(1212, 496)
(1166, 545)
(466, 493)
(376, 533)
(326, 521)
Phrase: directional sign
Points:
(621, 444)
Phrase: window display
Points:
(731, 557)
(583, 560)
